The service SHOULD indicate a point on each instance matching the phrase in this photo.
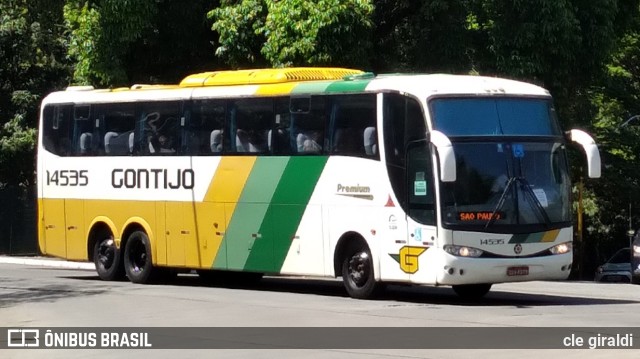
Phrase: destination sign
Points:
(479, 216)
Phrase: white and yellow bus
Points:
(419, 179)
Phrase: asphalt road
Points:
(45, 296)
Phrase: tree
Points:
(117, 42)
(422, 36)
(32, 49)
(296, 32)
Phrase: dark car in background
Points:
(616, 269)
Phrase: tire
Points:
(137, 258)
(107, 258)
(357, 273)
(472, 291)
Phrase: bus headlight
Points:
(463, 251)
(636, 250)
(561, 248)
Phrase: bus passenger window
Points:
(354, 126)
(115, 125)
(205, 133)
(83, 142)
(278, 139)
(309, 118)
(252, 120)
(161, 126)
(57, 129)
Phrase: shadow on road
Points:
(11, 295)
(395, 294)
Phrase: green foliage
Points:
(296, 32)
(239, 27)
(117, 42)
(101, 34)
(16, 153)
(33, 52)
(430, 35)
(322, 32)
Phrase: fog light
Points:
(463, 251)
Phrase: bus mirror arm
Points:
(446, 156)
(590, 148)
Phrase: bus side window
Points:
(309, 123)
(116, 123)
(278, 139)
(420, 183)
(354, 126)
(161, 127)
(252, 121)
(83, 141)
(403, 122)
(205, 127)
(57, 129)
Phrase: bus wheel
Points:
(357, 273)
(106, 257)
(137, 258)
(472, 291)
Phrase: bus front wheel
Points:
(107, 258)
(357, 273)
(137, 258)
(472, 291)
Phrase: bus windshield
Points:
(512, 173)
(494, 116)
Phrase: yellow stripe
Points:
(229, 179)
(215, 213)
(276, 89)
(550, 236)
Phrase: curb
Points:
(47, 262)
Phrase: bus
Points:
(418, 179)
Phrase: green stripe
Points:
(348, 86)
(311, 87)
(245, 229)
(285, 212)
(331, 86)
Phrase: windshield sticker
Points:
(518, 151)
(417, 234)
(541, 195)
(420, 185)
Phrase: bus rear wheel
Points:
(107, 258)
(357, 273)
(472, 291)
(137, 258)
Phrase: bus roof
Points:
(300, 81)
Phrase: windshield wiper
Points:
(500, 203)
(529, 194)
(534, 200)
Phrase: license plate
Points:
(516, 271)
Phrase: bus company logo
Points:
(153, 178)
(517, 249)
(408, 258)
(357, 191)
(23, 338)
